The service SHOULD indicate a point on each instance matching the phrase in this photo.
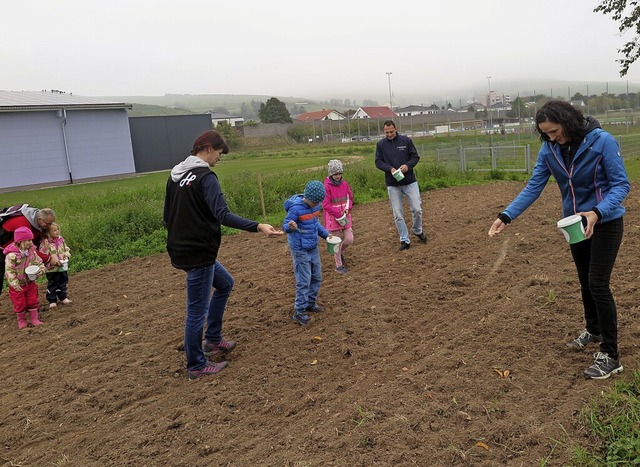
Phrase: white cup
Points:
(32, 272)
(65, 265)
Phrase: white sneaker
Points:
(53, 305)
(66, 301)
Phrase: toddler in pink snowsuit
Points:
(23, 292)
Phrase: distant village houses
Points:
(232, 120)
(320, 115)
(375, 112)
(412, 110)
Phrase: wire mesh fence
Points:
(486, 158)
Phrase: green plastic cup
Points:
(333, 244)
(398, 175)
(572, 228)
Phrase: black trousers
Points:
(594, 259)
(57, 286)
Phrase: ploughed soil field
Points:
(450, 353)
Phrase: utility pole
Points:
(390, 99)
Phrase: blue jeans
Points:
(412, 193)
(308, 272)
(594, 259)
(202, 306)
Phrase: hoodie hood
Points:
(591, 124)
(189, 163)
(11, 248)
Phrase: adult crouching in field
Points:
(585, 161)
(36, 220)
(194, 211)
(396, 156)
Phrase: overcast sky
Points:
(326, 49)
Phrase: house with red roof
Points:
(375, 112)
(325, 114)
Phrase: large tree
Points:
(274, 111)
(629, 20)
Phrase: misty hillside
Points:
(244, 104)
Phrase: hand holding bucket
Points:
(333, 244)
(32, 272)
(572, 228)
(398, 175)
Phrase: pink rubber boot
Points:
(33, 314)
(22, 320)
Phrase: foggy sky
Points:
(320, 50)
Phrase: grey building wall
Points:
(33, 150)
(159, 143)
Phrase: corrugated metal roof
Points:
(16, 101)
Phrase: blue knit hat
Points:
(314, 191)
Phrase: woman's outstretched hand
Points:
(269, 230)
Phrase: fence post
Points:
(463, 165)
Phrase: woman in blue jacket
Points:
(585, 161)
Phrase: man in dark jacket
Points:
(396, 156)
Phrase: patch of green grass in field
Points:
(614, 423)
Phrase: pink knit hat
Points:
(22, 233)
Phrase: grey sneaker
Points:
(216, 350)
(583, 339)
(603, 367)
(207, 370)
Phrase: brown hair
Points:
(562, 113)
(212, 139)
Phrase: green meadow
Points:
(110, 221)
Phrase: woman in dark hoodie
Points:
(194, 211)
(585, 161)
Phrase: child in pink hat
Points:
(23, 292)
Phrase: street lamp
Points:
(489, 102)
(390, 100)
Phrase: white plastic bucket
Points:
(572, 228)
(333, 244)
(342, 220)
(398, 175)
(32, 272)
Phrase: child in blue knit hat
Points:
(302, 226)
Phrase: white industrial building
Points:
(52, 138)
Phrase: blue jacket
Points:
(595, 180)
(306, 237)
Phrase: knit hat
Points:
(22, 233)
(314, 191)
(335, 167)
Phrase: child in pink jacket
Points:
(23, 292)
(336, 207)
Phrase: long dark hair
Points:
(563, 113)
(210, 138)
